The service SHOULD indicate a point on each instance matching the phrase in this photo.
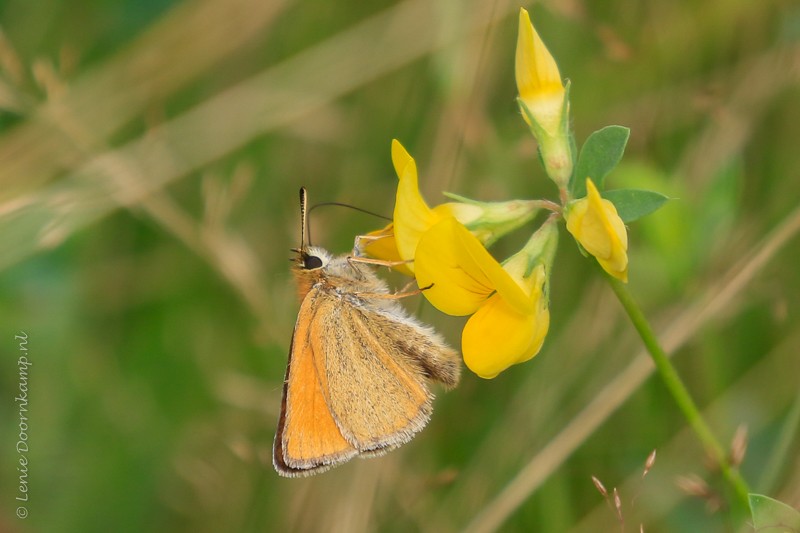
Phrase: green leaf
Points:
(633, 204)
(599, 155)
(773, 515)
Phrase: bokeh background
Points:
(150, 157)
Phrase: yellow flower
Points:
(538, 80)
(413, 217)
(595, 224)
(509, 301)
(544, 101)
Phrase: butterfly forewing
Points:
(308, 439)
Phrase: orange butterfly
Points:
(356, 379)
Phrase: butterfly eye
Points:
(310, 262)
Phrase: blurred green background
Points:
(150, 157)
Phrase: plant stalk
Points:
(680, 393)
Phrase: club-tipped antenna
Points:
(303, 218)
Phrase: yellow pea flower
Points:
(595, 224)
(508, 303)
(413, 217)
(544, 101)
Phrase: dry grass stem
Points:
(648, 464)
(618, 507)
(738, 445)
(600, 487)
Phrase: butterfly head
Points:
(311, 258)
(309, 267)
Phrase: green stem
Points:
(680, 393)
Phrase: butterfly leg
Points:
(405, 293)
(362, 241)
(370, 238)
(378, 262)
(408, 286)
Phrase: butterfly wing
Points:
(307, 441)
(355, 383)
(376, 384)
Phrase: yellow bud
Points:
(595, 224)
(538, 79)
(544, 101)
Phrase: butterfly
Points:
(359, 365)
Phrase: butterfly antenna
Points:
(303, 218)
(305, 212)
(359, 209)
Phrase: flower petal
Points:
(536, 71)
(400, 157)
(497, 336)
(412, 216)
(457, 286)
(595, 223)
(538, 79)
(462, 272)
(615, 258)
